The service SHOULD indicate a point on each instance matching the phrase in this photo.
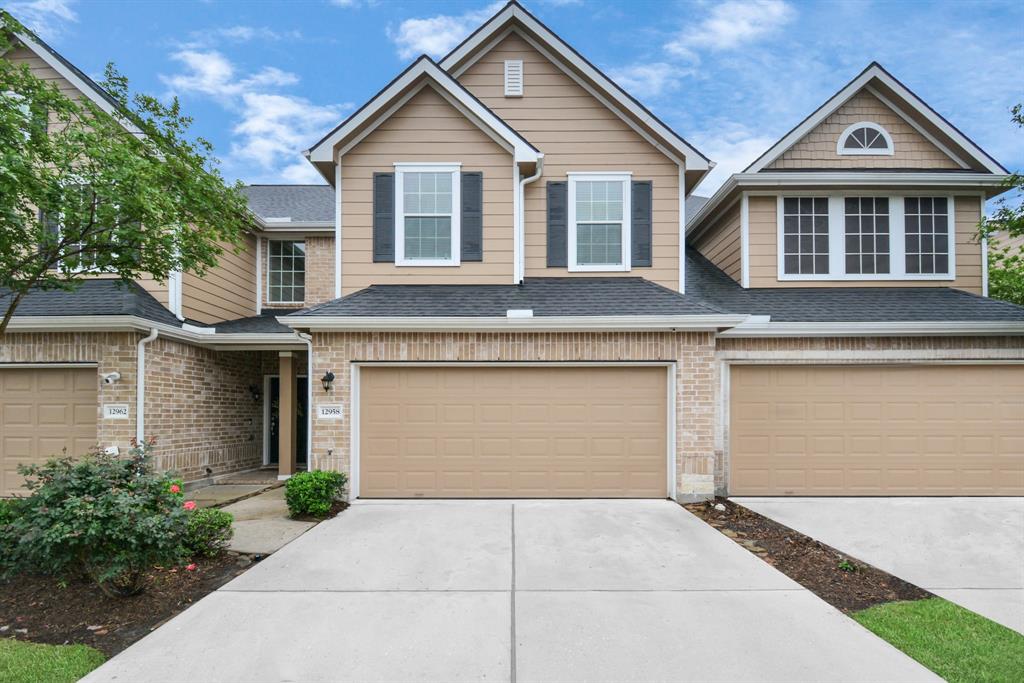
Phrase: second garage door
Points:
(877, 430)
(42, 412)
(523, 431)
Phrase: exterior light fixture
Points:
(256, 393)
(327, 380)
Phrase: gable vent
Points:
(513, 78)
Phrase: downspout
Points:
(309, 397)
(140, 385)
(521, 228)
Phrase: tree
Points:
(1004, 230)
(84, 191)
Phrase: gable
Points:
(40, 69)
(817, 149)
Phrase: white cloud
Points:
(45, 17)
(649, 80)
(730, 25)
(345, 3)
(437, 35)
(733, 146)
(271, 128)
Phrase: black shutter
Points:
(472, 226)
(558, 223)
(641, 228)
(383, 217)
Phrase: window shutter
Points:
(472, 216)
(513, 78)
(383, 217)
(558, 223)
(641, 224)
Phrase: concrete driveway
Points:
(968, 550)
(503, 591)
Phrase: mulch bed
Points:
(337, 507)
(39, 609)
(840, 580)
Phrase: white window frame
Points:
(305, 272)
(837, 239)
(626, 178)
(888, 151)
(455, 168)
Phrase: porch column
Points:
(286, 434)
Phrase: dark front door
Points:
(275, 420)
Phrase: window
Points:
(599, 227)
(287, 272)
(427, 221)
(927, 235)
(865, 138)
(867, 235)
(805, 235)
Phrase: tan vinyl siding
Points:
(159, 290)
(721, 243)
(225, 292)
(817, 149)
(576, 133)
(764, 249)
(429, 129)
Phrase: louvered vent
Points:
(513, 78)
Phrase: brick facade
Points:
(319, 269)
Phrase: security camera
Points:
(111, 378)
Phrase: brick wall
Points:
(696, 380)
(319, 270)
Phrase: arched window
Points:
(865, 138)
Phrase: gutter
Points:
(140, 385)
(760, 328)
(521, 223)
(514, 324)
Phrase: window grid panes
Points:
(866, 138)
(427, 212)
(599, 218)
(805, 235)
(867, 235)
(927, 234)
(287, 272)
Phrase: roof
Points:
(93, 297)
(299, 203)
(264, 323)
(843, 304)
(565, 296)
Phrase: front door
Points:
(275, 420)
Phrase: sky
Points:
(265, 80)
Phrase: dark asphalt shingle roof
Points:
(265, 323)
(583, 296)
(93, 297)
(300, 203)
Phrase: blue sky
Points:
(264, 80)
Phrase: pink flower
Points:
(192, 567)
(175, 488)
(190, 505)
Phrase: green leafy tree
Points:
(1004, 230)
(83, 191)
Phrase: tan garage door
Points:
(42, 412)
(479, 432)
(877, 430)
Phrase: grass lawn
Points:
(22, 662)
(954, 642)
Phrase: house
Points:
(507, 288)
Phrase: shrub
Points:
(209, 532)
(111, 519)
(313, 493)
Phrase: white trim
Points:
(354, 399)
(259, 274)
(140, 384)
(626, 234)
(942, 328)
(43, 366)
(174, 289)
(982, 214)
(337, 228)
(889, 150)
(520, 264)
(504, 323)
(694, 160)
(874, 71)
(745, 240)
(517, 234)
(455, 216)
(682, 229)
(918, 127)
(323, 150)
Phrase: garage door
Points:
(877, 430)
(545, 432)
(42, 412)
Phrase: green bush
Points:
(111, 519)
(313, 493)
(209, 532)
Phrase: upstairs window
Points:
(805, 235)
(599, 226)
(286, 283)
(927, 235)
(865, 138)
(427, 223)
(867, 235)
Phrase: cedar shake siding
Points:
(426, 129)
(226, 291)
(817, 149)
(576, 133)
(721, 243)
